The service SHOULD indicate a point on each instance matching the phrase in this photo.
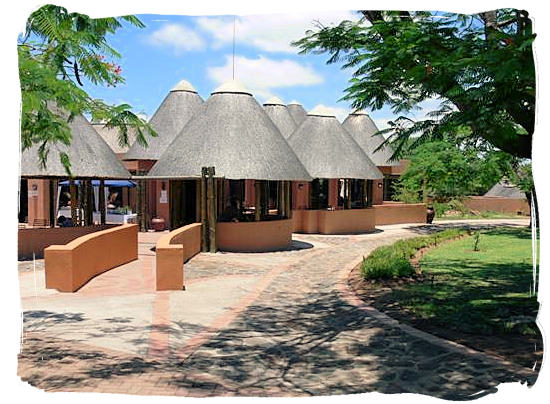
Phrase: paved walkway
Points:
(271, 324)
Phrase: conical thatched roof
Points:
(504, 189)
(297, 112)
(181, 103)
(362, 128)
(90, 156)
(235, 135)
(327, 150)
(111, 135)
(278, 112)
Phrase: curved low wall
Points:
(399, 213)
(31, 240)
(172, 250)
(498, 204)
(344, 221)
(265, 236)
(70, 266)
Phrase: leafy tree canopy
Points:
(59, 53)
(443, 172)
(480, 67)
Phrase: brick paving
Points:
(271, 324)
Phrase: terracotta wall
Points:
(377, 192)
(68, 267)
(262, 236)
(300, 195)
(341, 221)
(31, 241)
(398, 213)
(172, 250)
(497, 204)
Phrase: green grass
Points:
(393, 260)
(482, 292)
(481, 215)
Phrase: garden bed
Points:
(476, 298)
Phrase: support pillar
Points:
(102, 212)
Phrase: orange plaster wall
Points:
(172, 250)
(397, 213)
(334, 221)
(496, 204)
(70, 266)
(31, 241)
(163, 209)
(270, 235)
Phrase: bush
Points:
(394, 260)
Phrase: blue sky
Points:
(199, 49)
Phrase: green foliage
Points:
(59, 53)
(479, 67)
(477, 235)
(391, 261)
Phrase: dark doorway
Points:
(183, 203)
(23, 201)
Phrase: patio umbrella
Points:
(234, 134)
(90, 156)
(328, 151)
(181, 103)
(297, 112)
(361, 127)
(278, 112)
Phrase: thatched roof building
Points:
(362, 128)
(181, 103)
(297, 112)
(234, 134)
(327, 150)
(111, 136)
(505, 189)
(90, 156)
(278, 112)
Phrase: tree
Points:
(480, 67)
(60, 53)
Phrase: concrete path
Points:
(271, 324)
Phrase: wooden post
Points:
(90, 203)
(81, 203)
(281, 198)
(257, 200)
(52, 200)
(145, 205)
(102, 212)
(204, 217)
(348, 193)
(288, 207)
(365, 198)
(211, 207)
(370, 184)
(72, 189)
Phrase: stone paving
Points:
(271, 324)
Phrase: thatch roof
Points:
(90, 156)
(297, 112)
(181, 103)
(278, 112)
(504, 189)
(233, 134)
(328, 151)
(111, 136)
(361, 127)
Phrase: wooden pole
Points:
(204, 217)
(90, 204)
(288, 207)
(72, 190)
(81, 202)
(211, 206)
(365, 199)
(257, 200)
(145, 205)
(281, 198)
(102, 212)
(348, 193)
(52, 200)
(370, 185)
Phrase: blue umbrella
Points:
(108, 183)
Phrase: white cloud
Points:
(271, 32)
(339, 112)
(178, 37)
(262, 75)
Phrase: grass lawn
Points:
(485, 292)
(481, 215)
(477, 298)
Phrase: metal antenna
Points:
(234, 18)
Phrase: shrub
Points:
(393, 260)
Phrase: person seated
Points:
(62, 221)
